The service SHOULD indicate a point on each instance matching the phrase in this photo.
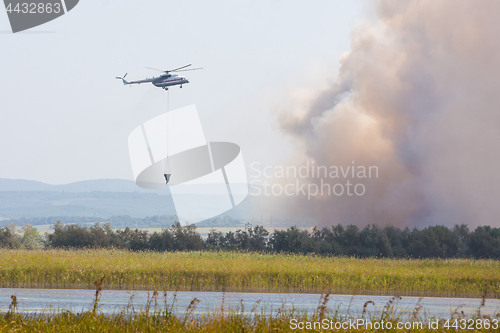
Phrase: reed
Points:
(249, 272)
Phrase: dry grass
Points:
(251, 272)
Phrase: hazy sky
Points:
(66, 118)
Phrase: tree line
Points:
(370, 241)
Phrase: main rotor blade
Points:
(173, 70)
(156, 69)
(180, 69)
(185, 70)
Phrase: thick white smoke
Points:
(418, 95)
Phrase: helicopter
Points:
(164, 80)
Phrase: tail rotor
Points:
(125, 82)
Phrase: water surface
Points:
(114, 301)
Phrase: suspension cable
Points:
(168, 110)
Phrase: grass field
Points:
(250, 272)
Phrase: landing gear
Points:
(165, 88)
(181, 86)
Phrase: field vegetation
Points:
(250, 272)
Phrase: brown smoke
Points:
(418, 96)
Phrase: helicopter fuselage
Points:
(168, 80)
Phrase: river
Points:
(114, 301)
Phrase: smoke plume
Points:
(418, 97)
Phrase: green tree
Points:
(186, 238)
(31, 237)
(9, 238)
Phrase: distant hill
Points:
(23, 185)
(95, 204)
(105, 185)
(104, 198)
